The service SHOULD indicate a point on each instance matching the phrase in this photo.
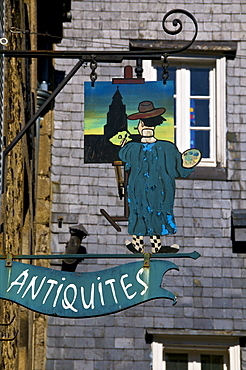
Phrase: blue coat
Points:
(151, 186)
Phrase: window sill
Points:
(209, 173)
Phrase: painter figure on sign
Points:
(153, 166)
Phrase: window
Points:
(199, 85)
(195, 360)
(191, 353)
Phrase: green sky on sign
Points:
(99, 98)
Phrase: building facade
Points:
(207, 325)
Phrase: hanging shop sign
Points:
(79, 295)
(151, 159)
(132, 123)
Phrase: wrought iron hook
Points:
(9, 339)
(177, 22)
(9, 323)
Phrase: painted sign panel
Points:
(107, 107)
(79, 295)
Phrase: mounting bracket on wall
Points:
(102, 57)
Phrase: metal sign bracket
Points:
(146, 260)
(9, 260)
(101, 56)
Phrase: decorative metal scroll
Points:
(177, 22)
(3, 339)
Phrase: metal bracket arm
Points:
(194, 255)
(43, 107)
(114, 56)
(39, 113)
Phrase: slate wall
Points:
(211, 290)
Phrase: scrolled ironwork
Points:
(177, 22)
(9, 323)
(9, 339)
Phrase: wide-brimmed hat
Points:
(147, 110)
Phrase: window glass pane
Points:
(211, 362)
(199, 112)
(199, 81)
(200, 140)
(176, 361)
(172, 75)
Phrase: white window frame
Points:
(231, 355)
(217, 104)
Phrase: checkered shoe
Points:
(155, 243)
(166, 249)
(138, 243)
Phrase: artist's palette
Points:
(191, 158)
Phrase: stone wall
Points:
(12, 199)
(25, 205)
